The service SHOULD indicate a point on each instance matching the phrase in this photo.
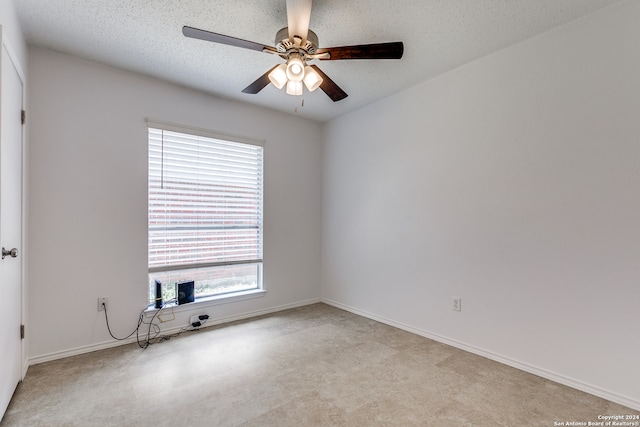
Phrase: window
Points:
(205, 211)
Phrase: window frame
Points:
(220, 297)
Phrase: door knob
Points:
(13, 252)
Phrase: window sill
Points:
(201, 303)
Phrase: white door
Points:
(10, 228)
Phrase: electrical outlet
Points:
(457, 304)
(103, 302)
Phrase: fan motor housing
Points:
(285, 45)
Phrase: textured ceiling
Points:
(145, 36)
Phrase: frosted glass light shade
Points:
(312, 79)
(294, 88)
(295, 69)
(279, 76)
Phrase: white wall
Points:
(513, 183)
(88, 198)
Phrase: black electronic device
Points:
(158, 294)
(185, 292)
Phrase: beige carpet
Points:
(312, 366)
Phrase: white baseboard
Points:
(210, 322)
(25, 367)
(558, 378)
(78, 350)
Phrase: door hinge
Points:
(21, 332)
(23, 116)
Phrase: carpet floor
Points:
(312, 366)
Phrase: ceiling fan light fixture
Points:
(297, 44)
(312, 79)
(279, 76)
(294, 88)
(295, 68)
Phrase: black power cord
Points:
(148, 340)
(143, 344)
(106, 318)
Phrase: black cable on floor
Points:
(148, 340)
(106, 318)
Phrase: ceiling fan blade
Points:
(228, 40)
(393, 50)
(298, 17)
(259, 84)
(329, 87)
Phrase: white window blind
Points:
(205, 201)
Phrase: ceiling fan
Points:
(298, 45)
